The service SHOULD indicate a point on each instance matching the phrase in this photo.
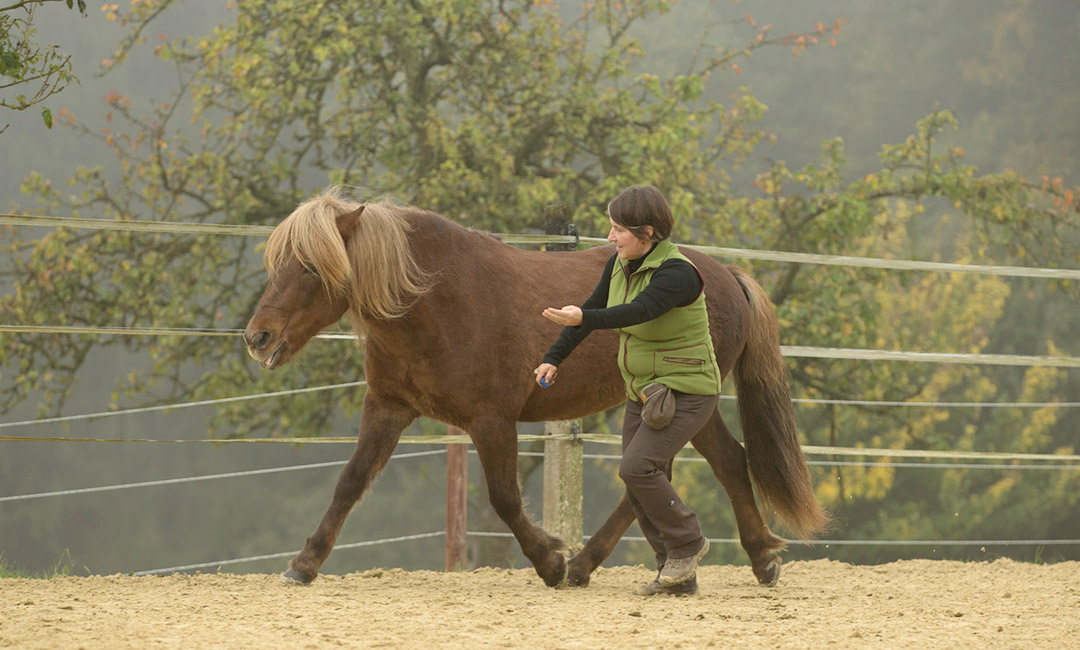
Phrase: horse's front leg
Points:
(600, 545)
(496, 445)
(381, 424)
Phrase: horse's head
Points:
(329, 258)
(308, 290)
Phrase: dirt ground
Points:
(818, 604)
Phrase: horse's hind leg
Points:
(381, 425)
(496, 445)
(728, 461)
(600, 545)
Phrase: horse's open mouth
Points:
(271, 362)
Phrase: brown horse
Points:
(453, 332)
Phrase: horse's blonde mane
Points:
(375, 270)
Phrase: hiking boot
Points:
(654, 588)
(678, 570)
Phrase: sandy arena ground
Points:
(819, 604)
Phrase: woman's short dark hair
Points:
(639, 206)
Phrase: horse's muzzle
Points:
(269, 359)
(258, 340)
(265, 348)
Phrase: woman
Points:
(655, 297)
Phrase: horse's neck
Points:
(443, 249)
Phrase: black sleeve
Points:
(675, 283)
(572, 336)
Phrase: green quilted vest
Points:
(674, 349)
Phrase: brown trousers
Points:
(668, 524)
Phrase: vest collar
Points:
(651, 260)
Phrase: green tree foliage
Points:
(480, 113)
(486, 112)
(26, 65)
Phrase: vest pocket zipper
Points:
(686, 361)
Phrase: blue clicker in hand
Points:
(544, 383)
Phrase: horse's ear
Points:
(346, 223)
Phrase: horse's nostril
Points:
(261, 340)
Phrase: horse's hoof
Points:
(294, 578)
(577, 581)
(575, 576)
(559, 580)
(770, 575)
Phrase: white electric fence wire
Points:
(812, 352)
(824, 450)
(801, 351)
(932, 542)
(873, 262)
(605, 438)
(206, 477)
(181, 405)
(352, 384)
(439, 452)
(859, 542)
(272, 556)
(188, 228)
(852, 463)
(136, 225)
(87, 330)
(716, 540)
(874, 402)
(168, 481)
(715, 251)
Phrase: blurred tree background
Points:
(31, 72)
(922, 130)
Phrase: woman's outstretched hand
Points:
(568, 316)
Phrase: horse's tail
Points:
(775, 458)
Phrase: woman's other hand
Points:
(545, 374)
(568, 316)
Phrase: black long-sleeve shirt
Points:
(675, 283)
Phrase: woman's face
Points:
(627, 244)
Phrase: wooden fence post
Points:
(562, 514)
(457, 492)
(557, 222)
(563, 483)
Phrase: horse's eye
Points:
(310, 270)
